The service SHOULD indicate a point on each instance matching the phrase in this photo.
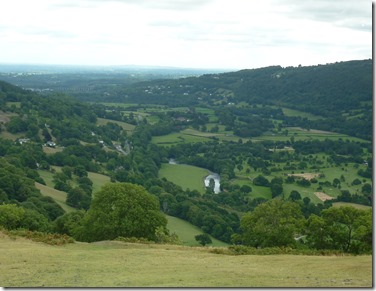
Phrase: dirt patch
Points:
(307, 176)
(4, 118)
(322, 196)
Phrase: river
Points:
(217, 179)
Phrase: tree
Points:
(261, 181)
(356, 182)
(35, 221)
(273, 223)
(345, 228)
(11, 216)
(342, 225)
(295, 195)
(69, 223)
(122, 209)
(367, 189)
(78, 198)
(203, 239)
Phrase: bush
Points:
(48, 238)
(238, 250)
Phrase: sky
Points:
(217, 34)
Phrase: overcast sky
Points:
(226, 34)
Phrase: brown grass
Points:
(307, 176)
(117, 264)
(322, 196)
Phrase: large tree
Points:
(273, 223)
(344, 228)
(122, 209)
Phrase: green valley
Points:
(120, 169)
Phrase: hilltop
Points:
(118, 264)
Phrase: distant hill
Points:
(341, 93)
(317, 89)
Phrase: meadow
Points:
(186, 232)
(185, 176)
(25, 263)
(126, 126)
(98, 180)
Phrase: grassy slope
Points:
(117, 264)
(186, 232)
(98, 179)
(59, 196)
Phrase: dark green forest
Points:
(262, 203)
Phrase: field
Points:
(59, 196)
(303, 134)
(358, 206)
(117, 264)
(302, 114)
(126, 126)
(191, 135)
(98, 179)
(185, 176)
(186, 232)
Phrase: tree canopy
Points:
(122, 209)
(273, 223)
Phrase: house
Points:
(23, 140)
(51, 144)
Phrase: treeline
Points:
(279, 223)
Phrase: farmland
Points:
(186, 176)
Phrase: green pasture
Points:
(185, 176)
(59, 196)
(190, 135)
(16, 104)
(209, 112)
(47, 176)
(98, 179)
(357, 206)
(177, 137)
(304, 134)
(49, 150)
(349, 173)
(126, 126)
(187, 231)
(302, 114)
(12, 136)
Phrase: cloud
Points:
(204, 33)
(353, 14)
(180, 5)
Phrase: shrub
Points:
(48, 238)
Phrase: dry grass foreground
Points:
(24, 263)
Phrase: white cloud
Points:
(188, 33)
